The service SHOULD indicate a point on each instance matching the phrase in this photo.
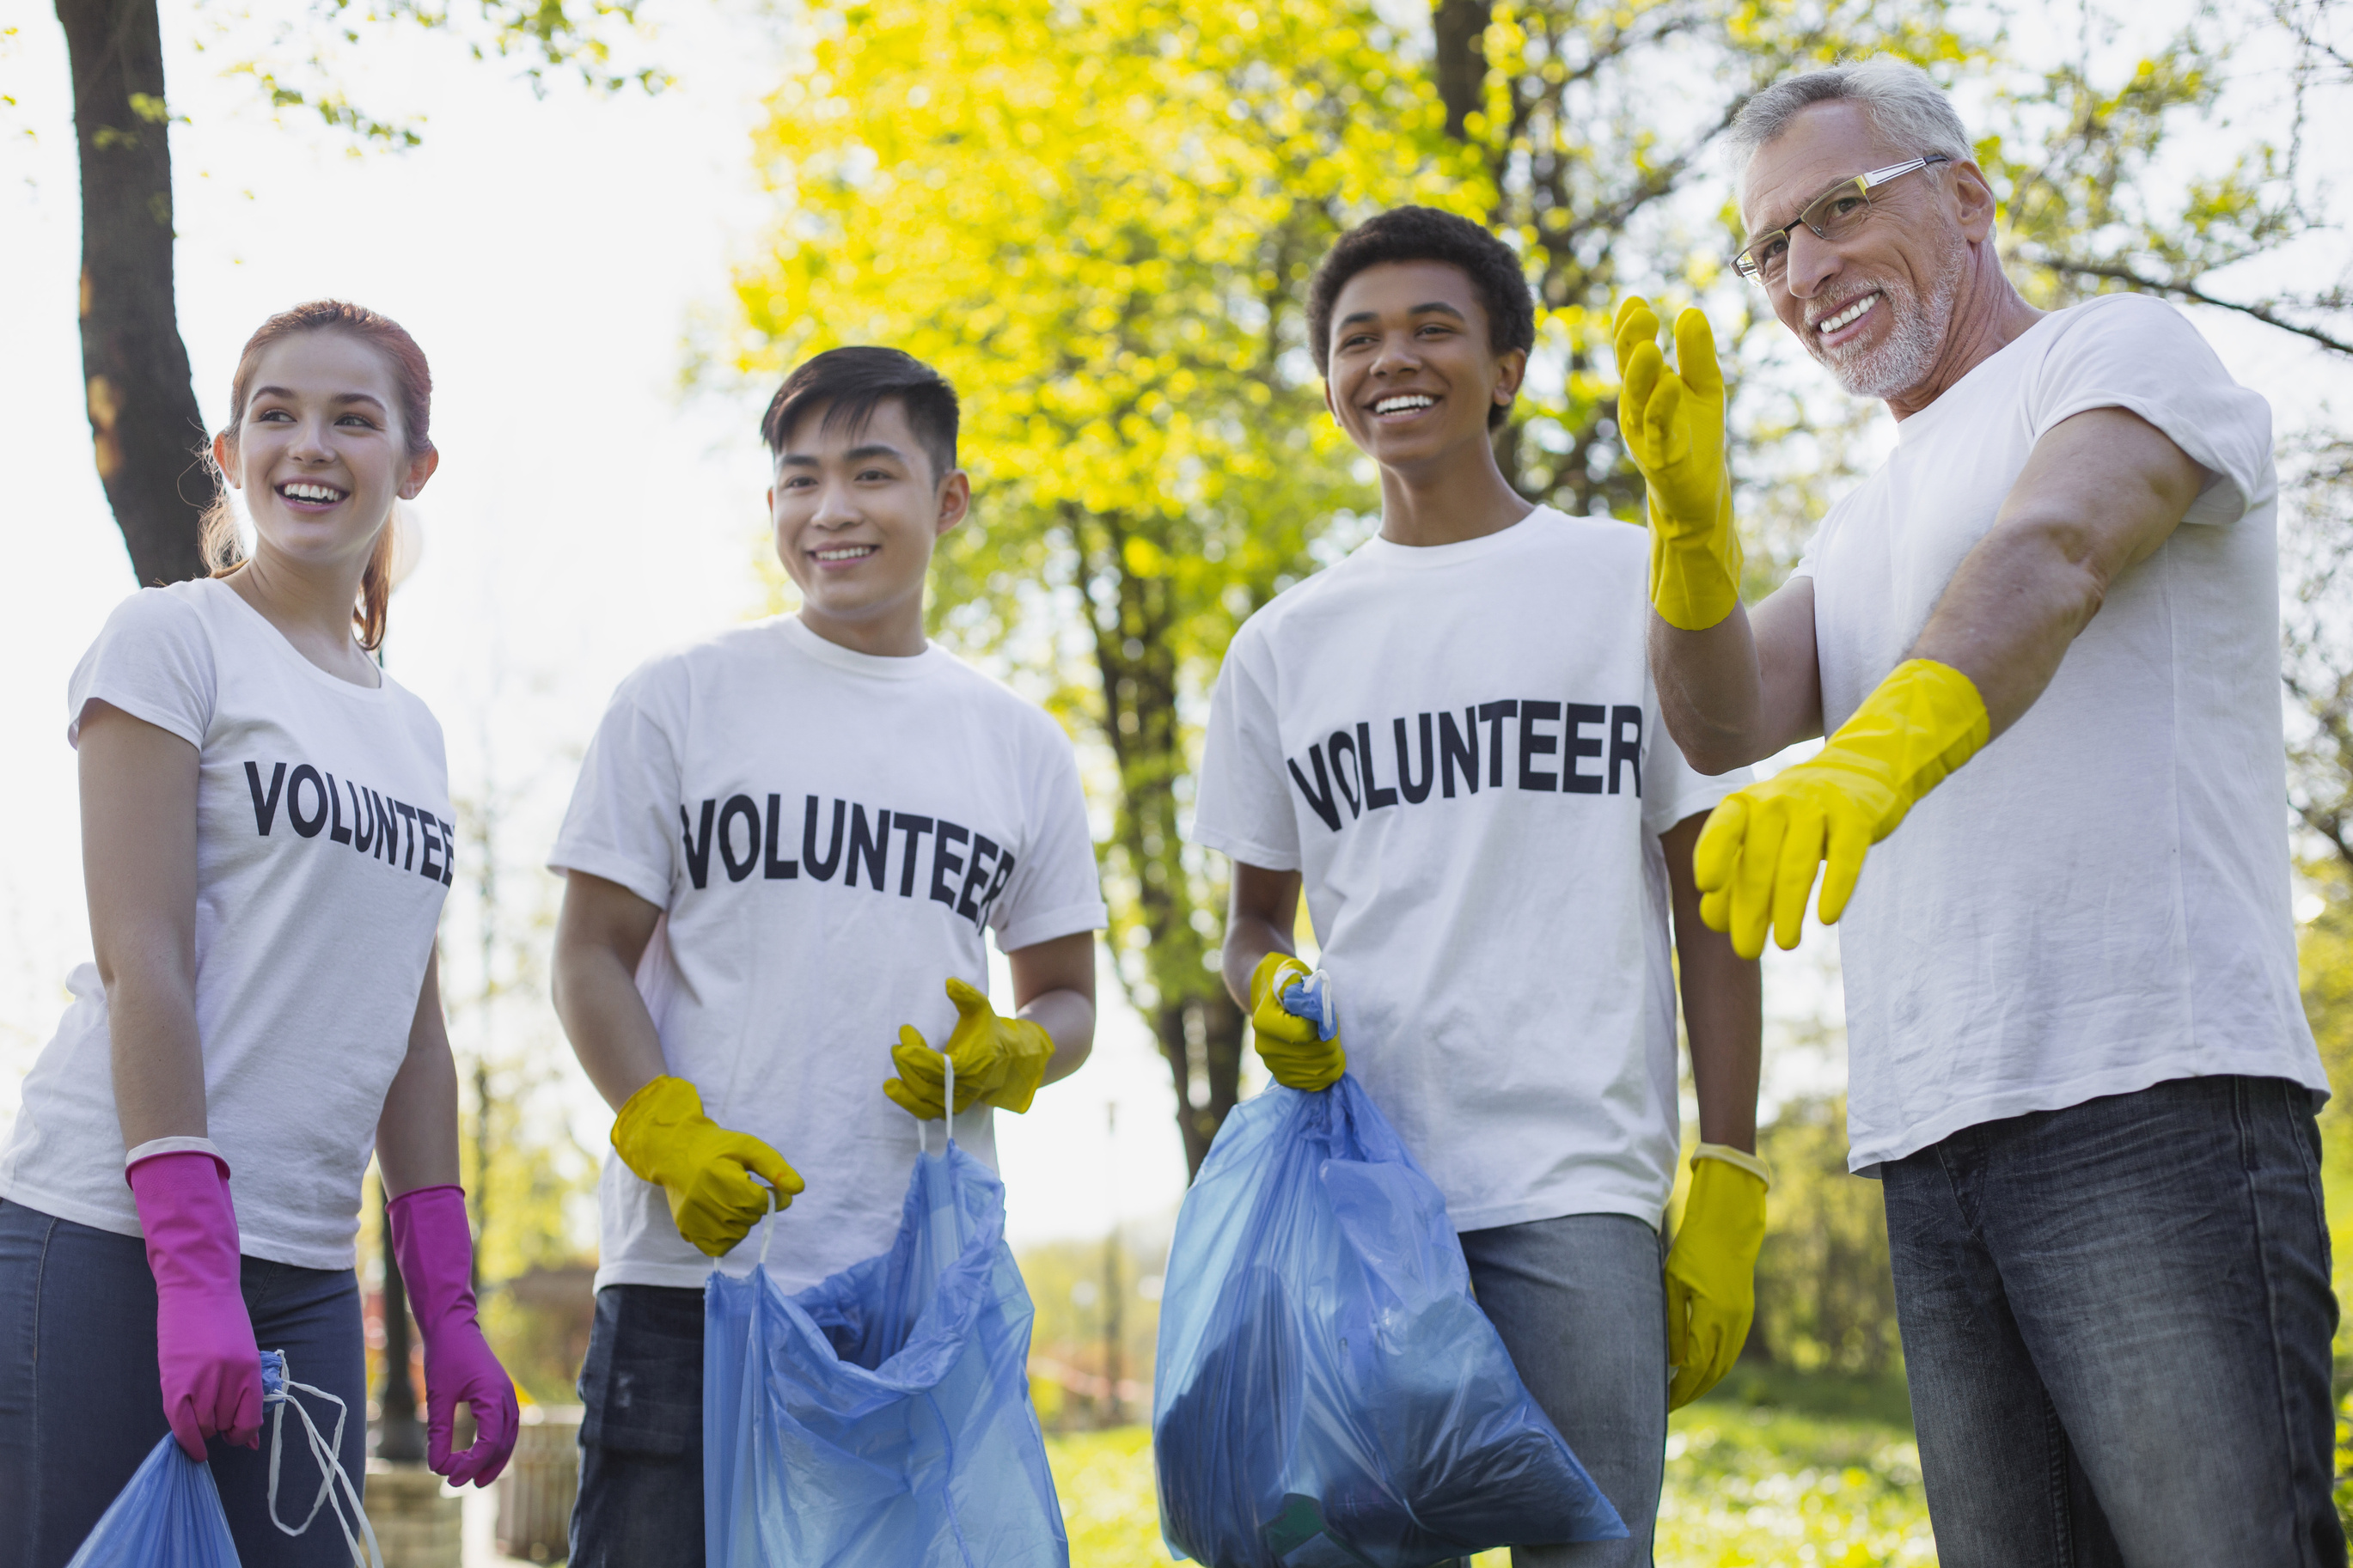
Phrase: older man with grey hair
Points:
(2078, 1057)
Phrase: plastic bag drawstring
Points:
(277, 1393)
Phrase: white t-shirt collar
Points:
(798, 636)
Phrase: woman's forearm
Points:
(416, 1133)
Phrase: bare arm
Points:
(1722, 1011)
(2100, 491)
(600, 934)
(1262, 912)
(1054, 987)
(139, 862)
(416, 1134)
(1744, 688)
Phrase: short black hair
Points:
(1425, 234)
(850, 384)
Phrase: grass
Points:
(1770, 1469)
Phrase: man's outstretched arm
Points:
(2102, 491)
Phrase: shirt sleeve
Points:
(153, 661)
(2131, 352)
(1056, 889)
(1243, 807)
(621, 823)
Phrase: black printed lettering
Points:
(408, 814)
(1533, 745)
(872, 851)
(387, 828)
(430, 869)
(772, 868)
(821, 869)
(1492, 715)
(308, 826)
(1319, 797)
(739, 805)
(1338, 742)
(336, 830)
(265, 807)
(944, 865)
(697, 839)
(1623, 750)
(1580, 744)
(362, 833)
(996, 886)
(1415, 794)
(914, 827)
(1376, 794)
(984, 850)
(448, 852)
(1453, 747)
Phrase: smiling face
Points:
(319, 452)
(857, 510)
(1876, 307)
(1412, 374)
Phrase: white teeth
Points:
(1852, 313)
(309, 492)
(1400, 403)
(847, 552)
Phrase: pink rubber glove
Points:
(204, 1336)
(436, 1263)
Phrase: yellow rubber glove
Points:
(1712, 1268)
(998, 1060)
(705, 1170)
(1294, 1053)
(1672, 426)
(1756, 860)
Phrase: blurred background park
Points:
(612, 225)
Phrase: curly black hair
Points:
(1425, 234)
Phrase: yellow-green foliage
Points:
(2325, 956)
(1825, 1299)
(1743, 1487)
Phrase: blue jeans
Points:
(2116, 1321)
(81, 1403)
(1581, 1304)
(640, 1503)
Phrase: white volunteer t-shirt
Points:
(324, 835)
(828, 833)
(2098, 901)
(1460, 748)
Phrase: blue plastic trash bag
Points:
(169, 1516)
(883, 1415)
(1327, 1392)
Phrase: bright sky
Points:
(552, 256)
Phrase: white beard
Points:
(1903, 359)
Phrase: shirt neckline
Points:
(288, 651)
(1430, 557)
(1927, 420)
(797, 636)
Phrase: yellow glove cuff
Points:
(1919, 724)
(665, 1103)
(1696, 575)
(1738, 1158)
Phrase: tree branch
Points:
(2261, 310)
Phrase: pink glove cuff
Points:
(205, 1351)
(435, 1252)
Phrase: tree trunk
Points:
(144, 419)
(1460, 33)
(1198, 1028)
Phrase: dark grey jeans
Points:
(2116, 1321)
(1581, 1303)
(640, 1503)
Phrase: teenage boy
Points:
(1450, 739)
(784, 840)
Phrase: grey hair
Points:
(1904, 106)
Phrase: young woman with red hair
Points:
(267, 843)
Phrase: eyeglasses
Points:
(1833, 216)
